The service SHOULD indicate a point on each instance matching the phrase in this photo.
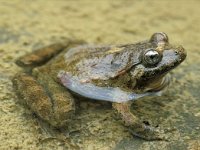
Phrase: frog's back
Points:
(99, 62)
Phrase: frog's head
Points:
(156, 62)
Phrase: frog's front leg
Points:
(45, 97)
(137, 127)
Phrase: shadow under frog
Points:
(116, 73)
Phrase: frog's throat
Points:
(112, 94)
(159, 84)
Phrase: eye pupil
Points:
(152, 56)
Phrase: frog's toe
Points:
(148, 133)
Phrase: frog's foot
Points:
(147, 132)
(50, 102)
(137, 127)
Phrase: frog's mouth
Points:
(158, 85)
(155, 79)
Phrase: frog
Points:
(57, 75)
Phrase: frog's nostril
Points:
(182, 52)
(181, 49)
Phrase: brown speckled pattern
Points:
(28, 25)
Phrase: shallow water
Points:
(28, 25)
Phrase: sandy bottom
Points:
(25, 26)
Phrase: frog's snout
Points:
(181, 52)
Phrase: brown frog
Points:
(118, 73)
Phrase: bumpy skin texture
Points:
(113, 73)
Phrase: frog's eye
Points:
(152, 57)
